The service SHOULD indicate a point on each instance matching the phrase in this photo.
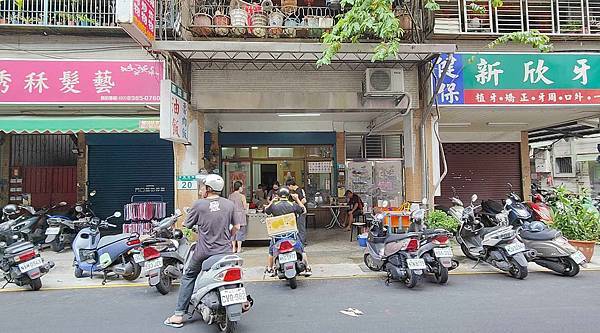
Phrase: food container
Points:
(221, 23)
(259, 25)
(239, 21)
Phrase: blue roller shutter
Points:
(123, 165)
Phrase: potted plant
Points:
(577, 219)
(438, 219)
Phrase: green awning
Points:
(64, 125)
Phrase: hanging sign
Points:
(519, 79)
(187, 183)
(138, 19)
(174, 112)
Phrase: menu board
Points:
(319, 167)
(388, 180)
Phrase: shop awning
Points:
(65, 125)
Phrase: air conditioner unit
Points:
(383, 82)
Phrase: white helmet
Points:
(215, 182)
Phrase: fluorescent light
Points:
(254, 148)
(454, 124)
(507, 124)
(298, 114)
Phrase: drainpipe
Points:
(425, 115)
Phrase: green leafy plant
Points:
(574, 216)
(438, 219)
(188, 233)
(376, 18)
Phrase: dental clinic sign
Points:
(519, 79)
(79, 81)
(174, 112)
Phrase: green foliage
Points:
(533, 38)
(188, 233)
(376, 18)
(438, 219)
(574, 216)
(365, 17)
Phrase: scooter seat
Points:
(487, 230)
(546, 234)
(18, 248)
(208, 263)
(106, 240)
(396, 237)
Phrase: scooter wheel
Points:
(368, 259)
(517, 271)
(466, 252)
(57, 246)
(293, 283)
(36, 284)
(411, 279)
(441, 276)
(227, 325)
(78, 272)
(164, 285)
(571, 267)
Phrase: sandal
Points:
(169, 323)
(270, 271)
(308, 271)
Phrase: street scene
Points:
(300, 165)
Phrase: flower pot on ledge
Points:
(586, 247)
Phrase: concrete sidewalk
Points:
(330, 254)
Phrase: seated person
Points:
(355, 207)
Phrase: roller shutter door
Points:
(123, 165)
(481, 168)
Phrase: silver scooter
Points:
(497, 246)
(219, 293)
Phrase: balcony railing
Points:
(282, 18)
(578, 17)
(84, 14)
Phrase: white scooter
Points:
(219, 293)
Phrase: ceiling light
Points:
(454, 124)
(507, 124)
(298, 114)
(254, 148)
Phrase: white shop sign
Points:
(174, 112)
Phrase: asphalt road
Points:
(469, 303)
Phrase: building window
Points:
(373, 146)
(564, 165)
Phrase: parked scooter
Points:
(20, 262)
(118, 254)
(219, 293)
(497, 246)
(435, 246)
(395, 253)
(164, 254)
(62, 230)
(287, 253)
(541, 210)
(32, 226)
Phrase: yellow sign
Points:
(281, 224)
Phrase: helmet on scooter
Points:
(537, 226)
(215, 182)
(10, 209)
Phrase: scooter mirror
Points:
(117, 214)
(62, 203)
(424, 201)
(93, 193)
(78, 209)
(509, 202)
(474, 198)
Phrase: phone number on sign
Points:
(131, 98)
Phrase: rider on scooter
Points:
(286, 203)
(213, 216)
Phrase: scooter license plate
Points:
(514, 247)
(443, 252)
(138, 258)
(578, 257)
(53, 231)
(288, 257)
(416, 263)
(31, 264)
(233, 296)
(153, 264)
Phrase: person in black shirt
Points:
(355, 206)
(295, 189)
(286, 203)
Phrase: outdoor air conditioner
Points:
(383, 82)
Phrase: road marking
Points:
(318, 278)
